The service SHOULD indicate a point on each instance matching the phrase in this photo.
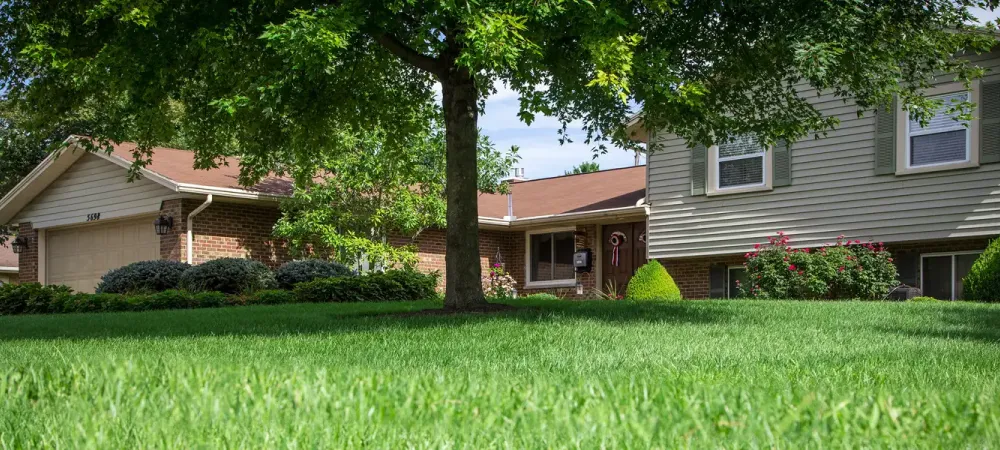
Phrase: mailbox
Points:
(583, 260)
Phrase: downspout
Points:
(190, 228)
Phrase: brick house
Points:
(79, 217)
(931, 194)
(8, 264)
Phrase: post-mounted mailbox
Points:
(583, 260)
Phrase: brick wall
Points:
(223, 230)
(27, 260)
(172, 245)
(507, 248)
(431, 250)
(692, 274)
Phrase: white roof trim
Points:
(9, 269)
(565, 217)
(187, 188)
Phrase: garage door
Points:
(78, 257)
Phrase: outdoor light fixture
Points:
(19, 244)
(163, 225)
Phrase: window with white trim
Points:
(941, 274)
(739, 164)
(944, 140)
(550, 257)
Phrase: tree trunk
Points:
(463, 276)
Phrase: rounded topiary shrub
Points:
(143, 277)
(983, 281)
(652, 282)
(228, 275)
(295, 272)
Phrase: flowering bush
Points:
(498, 283)
(848, 269)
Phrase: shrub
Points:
(270, 297)
(846, 270)
(498, 283)
(169, 299)
(389, 286)
(983, 281)
(229, 276)
(295, 272)
(31, 298)
(209, 299)
(143, 277)
(652, 282)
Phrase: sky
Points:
(541, 154)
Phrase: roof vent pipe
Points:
(510, 206)
(190, 228)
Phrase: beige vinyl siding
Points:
(92, 185)
(834, 191)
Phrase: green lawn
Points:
(560, 374)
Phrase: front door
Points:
(618, 269)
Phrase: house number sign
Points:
(93, 216)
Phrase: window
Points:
(737, 275)
(944, 140)
(945, 143)
(550, 258)
(941, 274)
(739, 166)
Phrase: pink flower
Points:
(841, 269)
(890, 259)
(802, 272)
(791, 267)
(756, 246)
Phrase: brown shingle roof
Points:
(606, 189)
(178, 165)
(615, 188)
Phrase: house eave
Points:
(565, 218)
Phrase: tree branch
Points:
(411, 56)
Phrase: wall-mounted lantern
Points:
(163, 225)
(19, 244)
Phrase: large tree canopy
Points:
(282, 81)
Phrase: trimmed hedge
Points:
(983, 281)
(143, 277)
(394, 285)
(30, 298)
(295, 272)
(229, 276)
(389, 286)
(652, 282)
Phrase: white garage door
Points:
(79, 257)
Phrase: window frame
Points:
(729, 278)
(940, 254)
(903, 135)
(528, 284)
(713, 172)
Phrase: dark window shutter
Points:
(699, 169)
(782, 160)
(989, 123)
(885, 140)
(717, 281)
